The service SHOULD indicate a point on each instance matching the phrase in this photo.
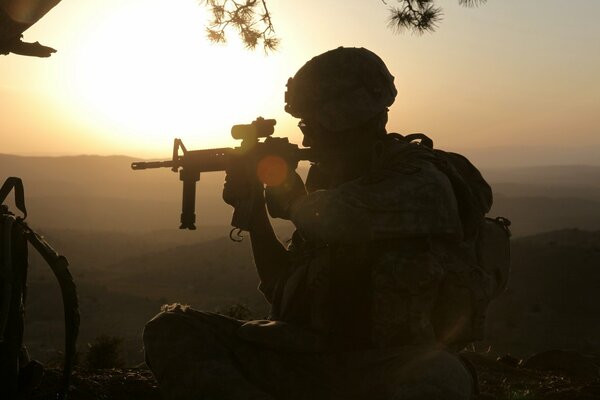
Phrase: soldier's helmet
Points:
(341, 89)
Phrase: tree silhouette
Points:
(252, 20)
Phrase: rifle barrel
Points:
(209, 160)
(151, 164)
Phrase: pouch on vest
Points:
(481, 266)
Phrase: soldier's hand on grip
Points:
(241, 183)
(280, 198)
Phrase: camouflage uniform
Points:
(198, 355)
(354, 313)
(347, 306)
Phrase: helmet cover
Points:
(341, 89)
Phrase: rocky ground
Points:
(554, 376)
(548, 376)
(107, 384)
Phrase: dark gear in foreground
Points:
(16, 16)
(18, 374)
(389, 272)
(196, 355)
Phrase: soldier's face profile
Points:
(307, 133)
(314, 136)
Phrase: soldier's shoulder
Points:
(404, 173)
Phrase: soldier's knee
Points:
(159, 333)
(171, 322)
(167, 330)
(432, 376)
(179, 333)
(160, 327)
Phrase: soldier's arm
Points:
(416, 204)
(270, 256)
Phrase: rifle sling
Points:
(59, 266)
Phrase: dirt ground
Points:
(497, 381)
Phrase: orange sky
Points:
(130, 75)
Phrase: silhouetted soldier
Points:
(379, 281)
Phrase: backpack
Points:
(478, 267)
(15, 234)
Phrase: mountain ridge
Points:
(102, 193)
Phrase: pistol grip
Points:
(243, 214)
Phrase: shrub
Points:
(104, 352)
(237, 311)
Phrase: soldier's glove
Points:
(242, 184)
(280, 198)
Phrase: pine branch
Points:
(419, 16)
(250, 18)
(471, 3)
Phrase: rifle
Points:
(251, 152)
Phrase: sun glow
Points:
(143, 73)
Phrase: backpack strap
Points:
(16, 184)
(473, 194)
(423, 138)
(59, 266)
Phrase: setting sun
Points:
(162, 79)
(131, 75)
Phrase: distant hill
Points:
(552, 301)
(519, 156)
(517, 190)
(103, 193)
(535, 214)
(205, 275)
(118, 227)
(541, 199)
(553, 297)
(96, 193)
(117, 297)
(552, 175)
(92, 249)
(102, 310)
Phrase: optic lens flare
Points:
(272, 170)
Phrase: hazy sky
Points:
(130, 75)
